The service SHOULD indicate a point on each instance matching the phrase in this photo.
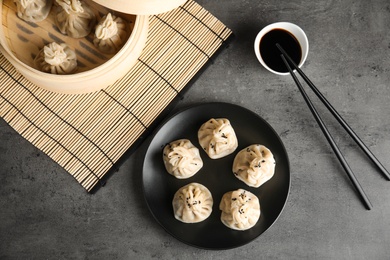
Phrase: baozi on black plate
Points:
(33, 10)
(192, 203)
(254, 165)
(217, 138)
(182, 159)
(240, 209)
(56, 58)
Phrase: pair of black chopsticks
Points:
(287, 60)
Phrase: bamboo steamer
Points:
(21, 41)
(141, 7)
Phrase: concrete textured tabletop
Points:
(45, 214)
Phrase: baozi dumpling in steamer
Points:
(182, 159)
(33, 10)
(217, 138)
(56, 58)
(254, 165)
(192, 203)
(110, 34)
(74, 18)
(240, 209)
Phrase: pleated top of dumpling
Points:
(217, 138)
(56, 58)
(110, 33)
(192, 203)
(33, 10)
(182, 159)
(254, 165)
(240, 209)
(74, 18)
(106, 28)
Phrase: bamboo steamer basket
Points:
(141, 7)
(21, 41)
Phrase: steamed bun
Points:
(254, 165)
(33, 10)
(74, 18)
(110, 33)
(240, 209)
(192, 203)
(217, 138)
(182, 159)
(56, 58)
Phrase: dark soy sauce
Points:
(271, 54)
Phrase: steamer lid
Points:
(141, 7)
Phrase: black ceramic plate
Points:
(216, 175)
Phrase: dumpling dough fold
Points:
(74, 18)
(217, 138)
(254, 165)
(56, 58)
(110, 34)
(192, 203)
(33, 10)
(240, 209)
(182, 159)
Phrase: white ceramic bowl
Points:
(86, 81)
(294, 30)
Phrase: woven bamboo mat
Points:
(87, 134)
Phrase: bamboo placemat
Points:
(87, 134)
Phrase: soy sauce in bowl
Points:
(271, 54)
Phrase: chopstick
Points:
(328, 136)
(338, 117)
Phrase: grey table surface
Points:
(45, 214)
